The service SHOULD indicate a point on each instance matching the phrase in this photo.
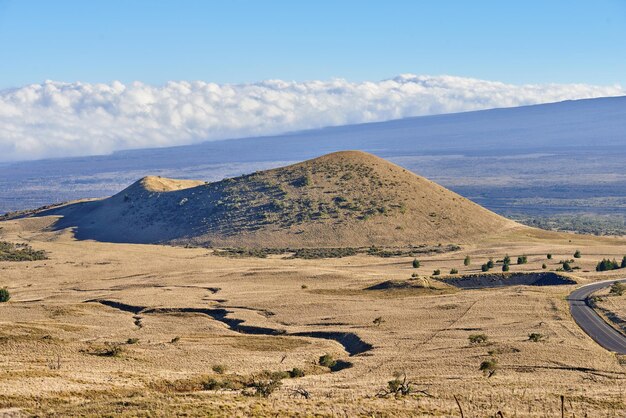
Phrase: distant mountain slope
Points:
(578, 139)
(347, 199)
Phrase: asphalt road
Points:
(591, 322)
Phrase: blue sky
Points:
(245, 41)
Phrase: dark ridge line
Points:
(352, 343)
(491, 280)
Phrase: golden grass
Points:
(423, 332)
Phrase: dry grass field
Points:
(135, 330)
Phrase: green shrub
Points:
(296, 372)
(543, 266)
(535, 337)
(567, 266)
(549, 256)
(505, 267)
(607, 264)
(416, 263)
(484, 267)
(327, 360)
(4, 295)
(522, 259)
(489, 367)
(577, 254)
(490, 263)
(477, 339)
(19, 252)
(132, 341)
(467, 260)
(454, 271)
(436, 272)
(506, 259)
(623, 265)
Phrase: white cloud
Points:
(56, 119)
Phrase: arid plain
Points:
(157, 330)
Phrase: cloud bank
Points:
(55, 119)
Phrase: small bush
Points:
(623, 265)
(490, 263)
(567, 266)
(4, 295)
(219, 368)
(549, 256)
(489, 367)
(416, 263)
(522, 259)
(377, 321)
(264, 388)
(454, 271)
(132, 341)
(107, 350)
(296, 372)
(327, 360)
(304, 286)
(505, 267)
(535, 337)
(577, 254)
(477, 339)
(398, 387)
(617, 289)
(506, 259)
(436, 272)
(484, 267)
(467, 260)
(175, 340)
(543, 266)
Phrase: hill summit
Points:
(343, 199)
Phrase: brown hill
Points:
(344, 199)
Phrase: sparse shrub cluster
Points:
(315, 253)
(19, 252)
(607, 264)
(488, 265)
(454, 271)
(399, 387)
(476, 339)
(106, 350)
(262, 385)
(617, 289)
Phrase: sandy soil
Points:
(54, 331)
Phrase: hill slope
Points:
(348, 198)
